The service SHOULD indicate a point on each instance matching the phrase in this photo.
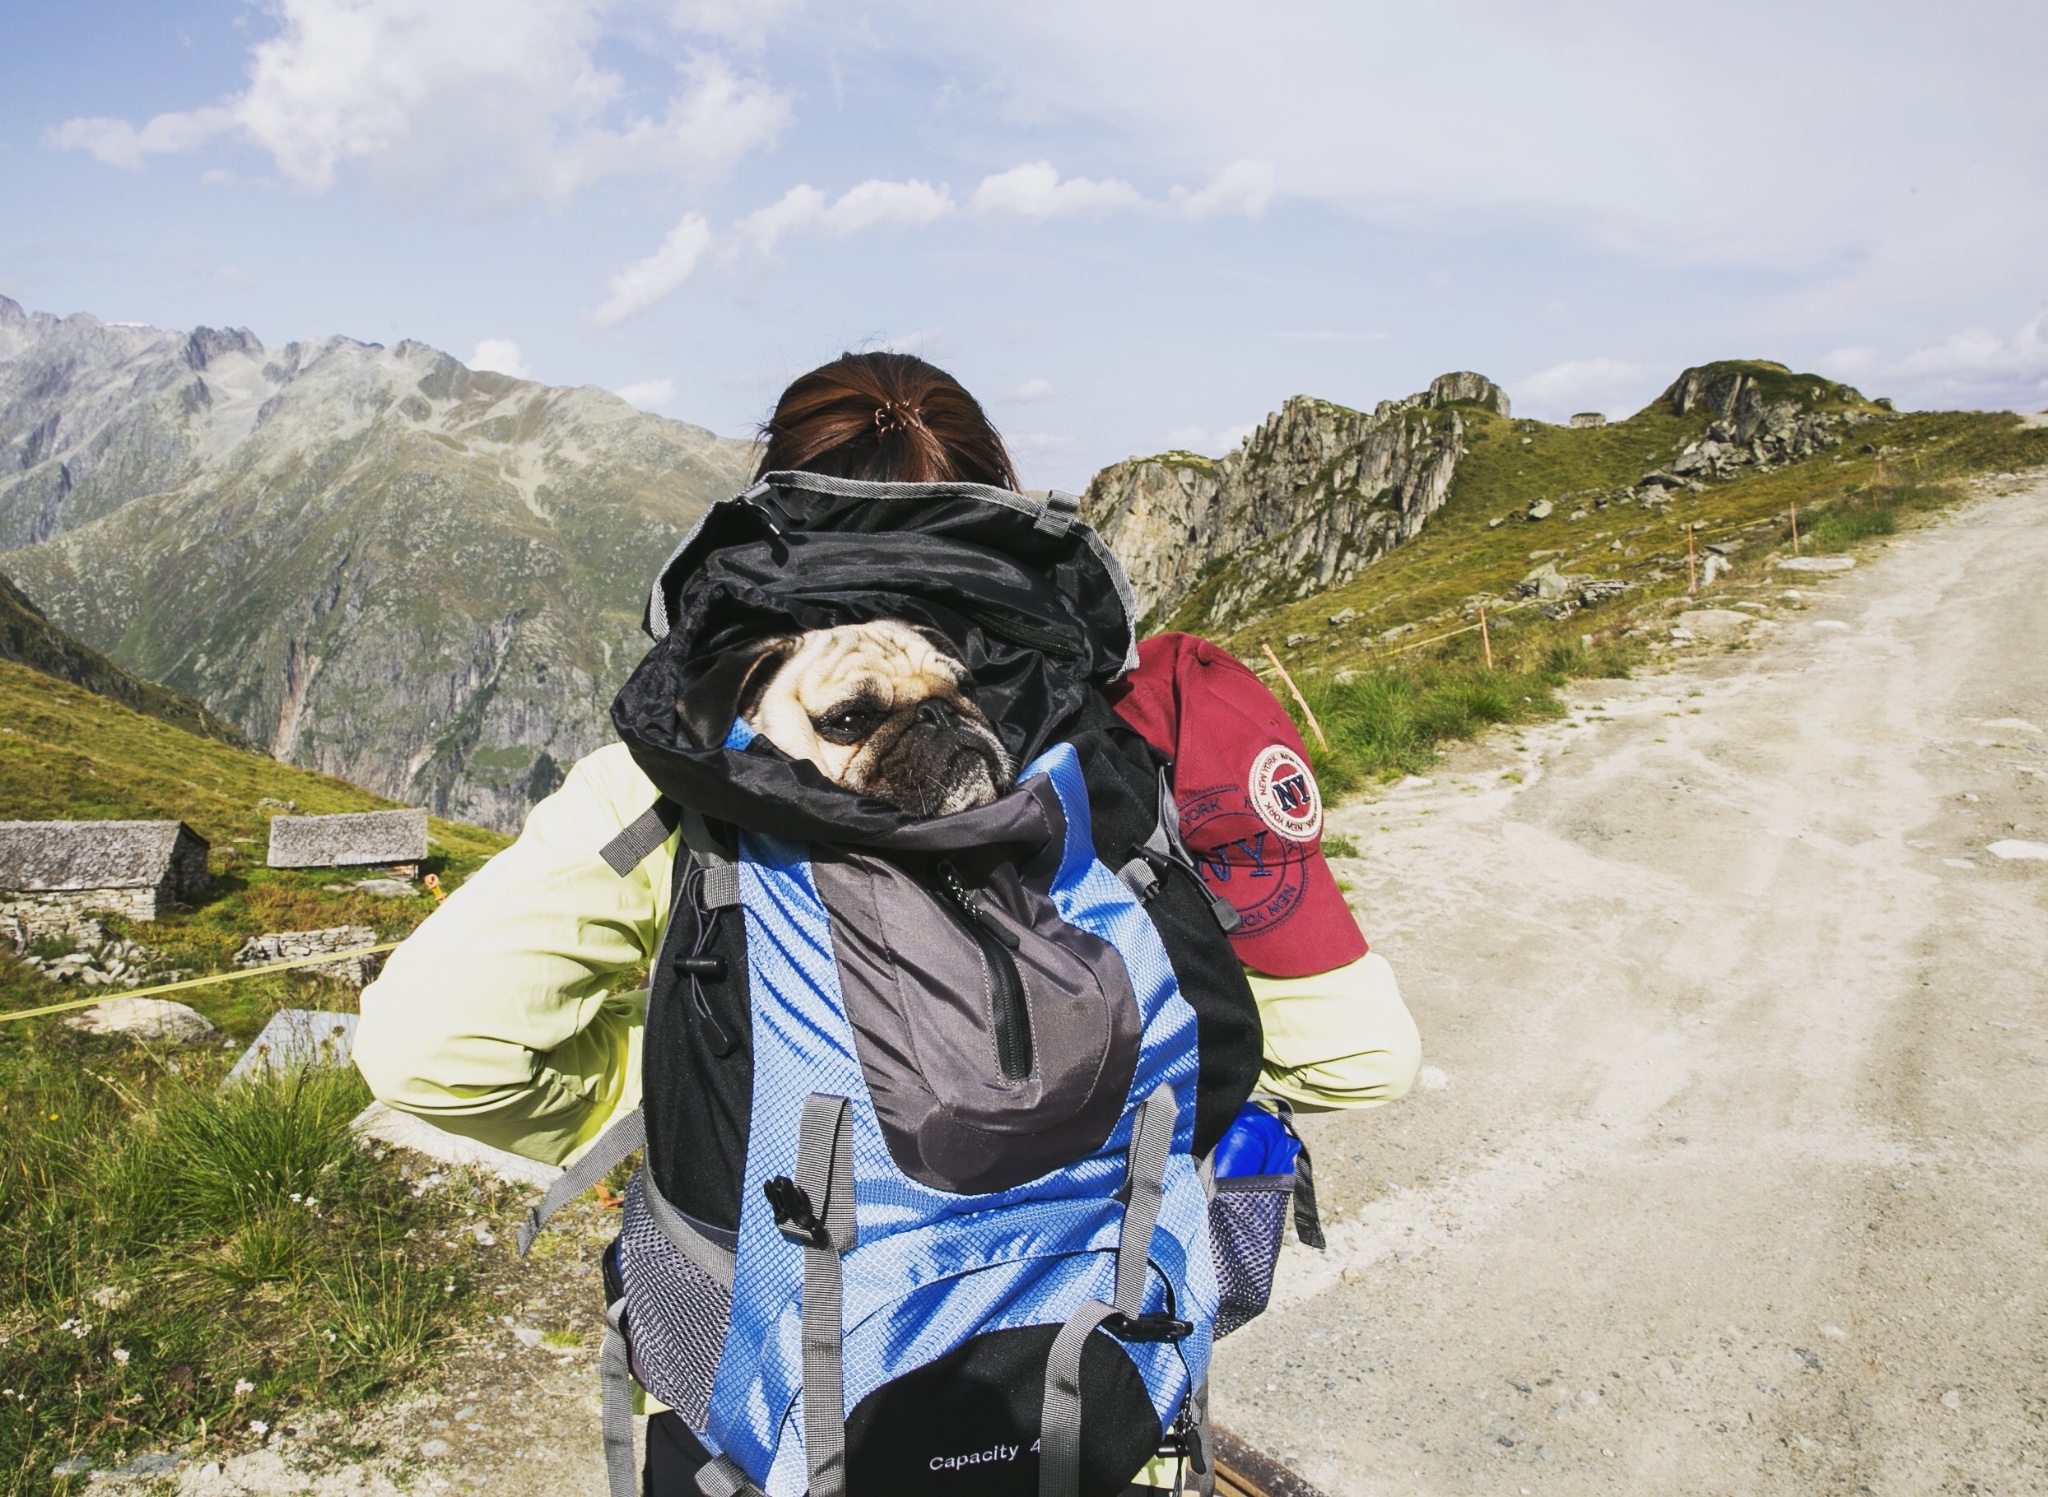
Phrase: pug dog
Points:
(879, 708)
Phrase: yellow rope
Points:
(201, 982)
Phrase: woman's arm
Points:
(1339, 1039)
(499, 1018)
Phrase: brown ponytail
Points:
(885, 416)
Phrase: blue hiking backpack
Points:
(925, 1207)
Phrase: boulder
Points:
(296, 1039)
(153, 1020)
(1816, 563)
(1542, 509)
(1715, 625)
(1546, 583)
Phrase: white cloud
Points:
(1976, 367)
(1557, 119)
(1034, 190)
(871, 204)
(1032, 389)
(1243, 187)
(1327, 335)
(506, 93)
(118, 143)
(645, 282)
(500, 356)
(1610, 386)
(648, 394)
(1213, 444)
(1847, 363)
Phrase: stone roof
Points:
(53, 856)
(353, 839)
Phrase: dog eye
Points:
(846, 724)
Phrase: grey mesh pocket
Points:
(1247, 1216)
(676, 1307)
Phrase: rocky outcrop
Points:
(424, 578)
(1310, 499)
(1764, 416)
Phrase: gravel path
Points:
(1727, 1170)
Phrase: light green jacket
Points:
(513, 1015)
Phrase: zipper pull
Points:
(956, 891)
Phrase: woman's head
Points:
(884, 416)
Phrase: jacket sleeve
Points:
(1341, 1039)
(511, 1015)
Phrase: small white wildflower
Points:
(121, 1355)
(330, 1338)
(297, 1197)
(243, 1387)
(258, 1427)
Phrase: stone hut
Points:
(1589, 418)
(357, 839)
(53, 872)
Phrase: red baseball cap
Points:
(1250, 812)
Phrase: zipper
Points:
(1012, 1018)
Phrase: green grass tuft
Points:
(239, 1246)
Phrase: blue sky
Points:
(1127, 226)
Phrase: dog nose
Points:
(933, 713)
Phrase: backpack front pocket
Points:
(998, 1042)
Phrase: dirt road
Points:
(1731, 1178)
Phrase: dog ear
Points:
(938, 642)
(727, 687)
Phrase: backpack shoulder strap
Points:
(637, 842)
(654, 826)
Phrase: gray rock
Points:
(1546, 583)
(296, 1038)
(151, 1020)
(386, 888)
(386, 1125)
(1542, 509)
(1816, 563)
(150, 1463)
(294, 945)
(1342, 617)
(72, 1465)
(1314, 496)
(1715, 625)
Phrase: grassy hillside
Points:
(182, 1267)
(68, 754)
(1512, 464)
(1403, 669)
(30, 639)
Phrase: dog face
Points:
(878, 707)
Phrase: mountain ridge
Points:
(28, 638)
(377, 562)
(1319, 492)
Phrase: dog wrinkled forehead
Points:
(886, 658)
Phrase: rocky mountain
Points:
(28, 638)
(375, 561)
(1312, 497)
(1319, 492)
